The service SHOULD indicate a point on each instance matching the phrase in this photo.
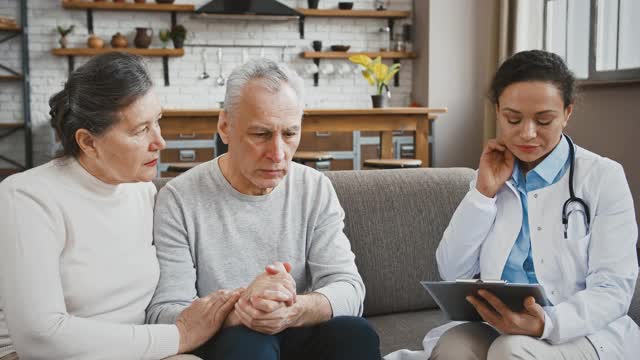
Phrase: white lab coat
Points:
(590, 276)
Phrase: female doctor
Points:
(543, 210)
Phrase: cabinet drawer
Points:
(326, 141)
(186, 155)
(189, 135)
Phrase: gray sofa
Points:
(394, 220)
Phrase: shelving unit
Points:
(346, 55)
(390, 15)
(90, 6)
(317, 55)
(11, 127)
(71, 53)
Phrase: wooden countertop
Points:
(337, 112)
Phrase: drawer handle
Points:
(323, 133)
(187, 155)
(187, 136)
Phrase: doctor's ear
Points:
(567, 114)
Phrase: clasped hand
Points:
(269, 304)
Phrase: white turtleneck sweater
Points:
(78, 267)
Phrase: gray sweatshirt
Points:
(209, 237)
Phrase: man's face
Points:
(263, 133)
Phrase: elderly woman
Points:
(77, 263)
(543, 210)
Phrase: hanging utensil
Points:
(204, 74)
(220, 81)
(245, 55)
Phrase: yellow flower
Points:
(375, 72)
(360, 59)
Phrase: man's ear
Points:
(223, 127)
(87, 143)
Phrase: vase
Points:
(143, 37)
(95, 42)
(119, 41)
(63, 42)
(380, 101)
(313, 4)
(178, 43)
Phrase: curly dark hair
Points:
(94, 94)
(534, 65)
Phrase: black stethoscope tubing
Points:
(572, 196)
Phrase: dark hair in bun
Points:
(94, 94)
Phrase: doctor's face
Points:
(531, 117)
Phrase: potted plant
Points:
(63, 34)
(165, 36)
(377, 74)
(178, 34)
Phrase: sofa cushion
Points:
(395, 220)
(405, 330)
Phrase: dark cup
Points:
(313, 4)
(317, 45)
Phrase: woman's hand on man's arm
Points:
(204, 318)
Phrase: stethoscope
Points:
(572, 196)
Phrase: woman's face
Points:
(531, 118)
(129, 150)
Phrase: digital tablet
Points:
(451, 296)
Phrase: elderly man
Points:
(218, 225)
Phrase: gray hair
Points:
(272, 75)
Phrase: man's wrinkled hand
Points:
(273, 289)
(268, 322)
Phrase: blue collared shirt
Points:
(519, 267)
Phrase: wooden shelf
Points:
(12, 28)
(395, 55)
(346, 55)
(4, 172)
(10, 77)
(127, 6)
(11, 125)
(374, 14)
(141, 52)
(165, 54)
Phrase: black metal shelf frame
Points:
(24, 77)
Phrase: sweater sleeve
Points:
(177, 286)
(331, 262)
(40, 327)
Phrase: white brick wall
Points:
(48, 73)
